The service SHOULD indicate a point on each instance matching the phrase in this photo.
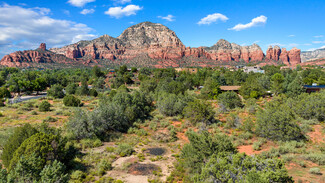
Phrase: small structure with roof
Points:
(230, 88)
(314, 88)
(255, 69)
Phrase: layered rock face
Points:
(148, 40)
(25, 58)
(291, 57)
(224, 51)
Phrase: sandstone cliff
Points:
(153, 42)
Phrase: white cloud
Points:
(319, 36)
(318, 42)
(212, 18)
(123, 1)
(292, 35)
(258, 21)
(87, 11)
(66, 12)
(119, 11)
(80, 3)
(169, 18)
(21, 27)
(276, 44)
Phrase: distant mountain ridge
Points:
(152, 45)
(307, 56)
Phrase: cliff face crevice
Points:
(155, 41)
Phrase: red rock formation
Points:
(294, 56)
(150, 41)
(42, 46)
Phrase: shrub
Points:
(202, 146)
(71, 88)
(233, 121)
(103, 166)
(226, 167)
(50, 119)
(124, 149)
(276, 122)
(93, 92)
(14, 141)
(56, 91)
(71, 101)
(34, 113)
(315, 171)
(90, 143)
(199, 112)
(230, 99)
(44, 106)
(170, 104)
(54, 172)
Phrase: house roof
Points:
(230, 88)
(314, 87)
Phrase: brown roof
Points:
(229, 88)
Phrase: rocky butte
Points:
(152, 45)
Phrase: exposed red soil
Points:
(316, 135)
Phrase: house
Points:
(255, 69)
(230, 88)
(313, 88)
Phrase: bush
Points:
(44, 106)
(276, 122)
(14, 141)
(90, 143)
(71, 88)
(50, 119)
(93, 92)
(170, 104)
(124, 149)
(199, 112)
(71, 101)
(56, 91)
(315, 171)
(230, 99)
(226, 167)
(233, 121)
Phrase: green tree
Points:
(201, 147)
(295, 88)
(210, 89)
(230, 100)
(277, 81)
(39, 84)
(56, 91)
(71, 88)
(19, 135)
(54, 173)
(170, 104)
(276, 122)
(199, 112)
(4, 93)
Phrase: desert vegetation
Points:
(160, 125)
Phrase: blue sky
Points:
(287, 23)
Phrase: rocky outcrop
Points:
(307, 56)
(28, 57)
(290, 58)
(151, 41)
(225, 52)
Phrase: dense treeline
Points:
(44, 154)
